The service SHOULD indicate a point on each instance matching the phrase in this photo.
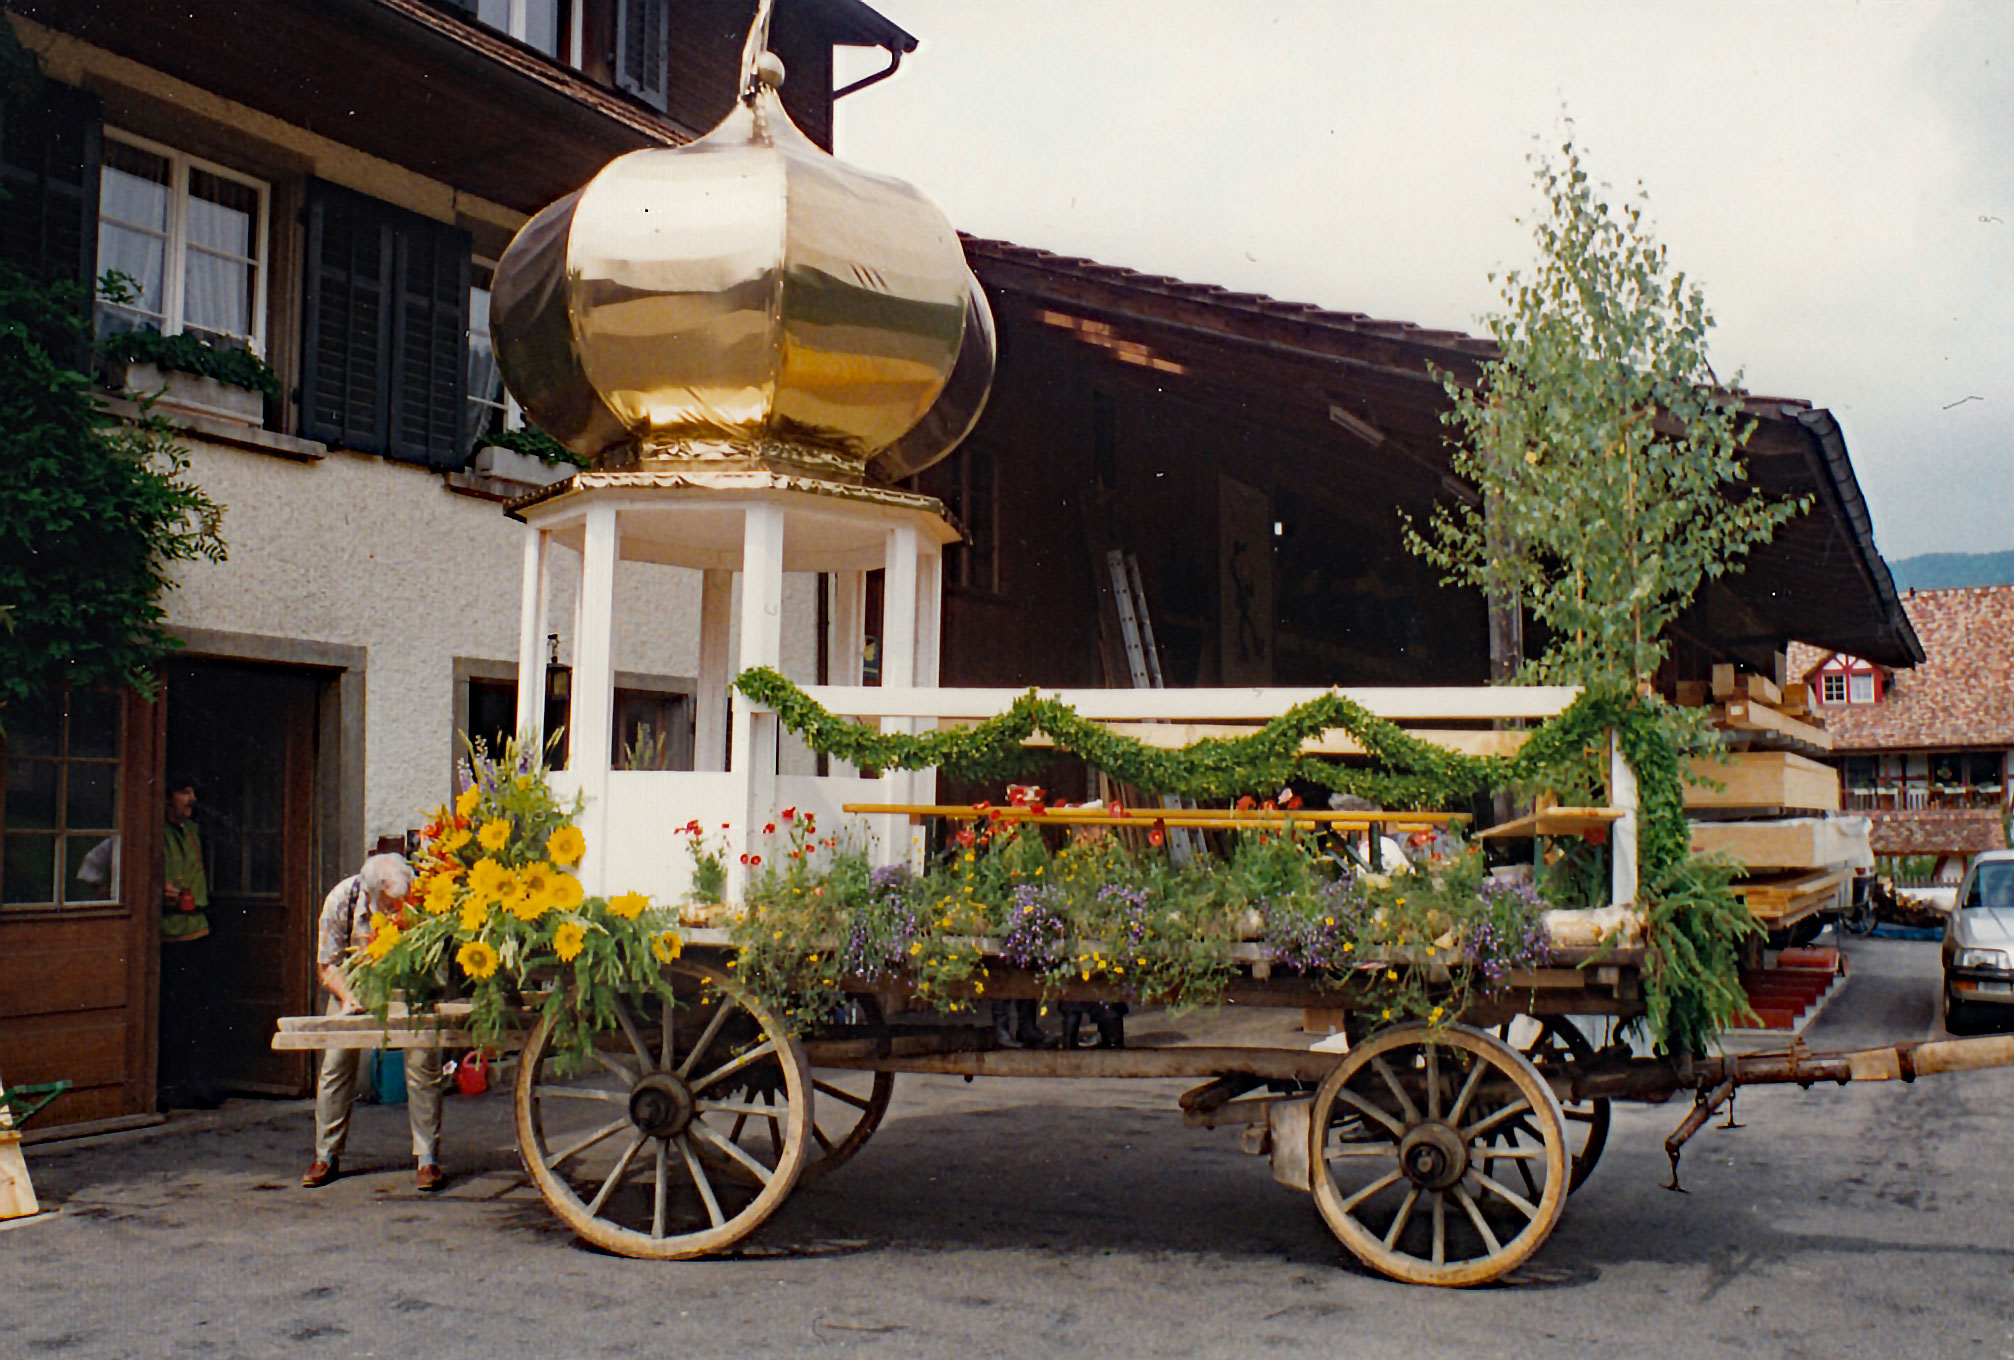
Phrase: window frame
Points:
(1832, 688)
(1860, 687)
(62, 832)
(174, 268)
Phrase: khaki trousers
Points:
(336, 1095)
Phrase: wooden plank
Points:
(1440, 703)
(1555, 821)
(1796, 699)
(1199, 818)
(1759, 780)
(1794, 843)
(1273, 1064)
(1762, 690)
(1334, 742)
(55, 966)
(1692, 693)
(1723, 679)
(1746, 716)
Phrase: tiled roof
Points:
(1962, 694)
(1937, 832)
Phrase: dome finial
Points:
(755, 70)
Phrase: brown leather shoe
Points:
(320, 1173)
(429, 1177)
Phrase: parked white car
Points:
(1979, 945)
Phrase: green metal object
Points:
(23, 1103)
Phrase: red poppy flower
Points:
(1293, 800)
(744, 857)
(755, 861)
(769, 829)
(1118, 808)
(1245, 804)
(1158, 834)
(789, 814)
(965, 837)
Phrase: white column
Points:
(593, 709)
(752, 744)
(929, 626)
(716, 619)
(531, 630)
(847, 641)
(1622, 836)
(901, 842)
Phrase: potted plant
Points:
(527, 457)
(184, 372)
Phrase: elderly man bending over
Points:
(380, 886)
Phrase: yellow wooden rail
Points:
(1202, 819)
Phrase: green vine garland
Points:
(1694, 925)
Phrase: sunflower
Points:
(454, 840)
(478, 959)
(475, 911)
(489, 880)
(384, 934)
(524, 906)
(629, 906)
(666, 945)
(568, 939)
(440, 898)
(465, 803)
(536, 880)
(566, 845)
(495, 834)
(566, 892)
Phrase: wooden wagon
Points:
(1436, 1154)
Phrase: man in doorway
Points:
(379, 887)
(188, 968)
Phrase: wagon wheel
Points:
(849, 1104)
(1559, 1042)
(1410, 1140)
(629, 1152)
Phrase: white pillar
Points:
(752, 745)
(1622, 836)
(716, 618)
(929, 626)
(847, 642)
(531, 630)
(593, 709)
(901, 842)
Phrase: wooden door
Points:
(246, 734)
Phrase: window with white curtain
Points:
(1860, 689)
(544, 24)
(191, 238)
(491, 408)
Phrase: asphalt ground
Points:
(1045, 1218)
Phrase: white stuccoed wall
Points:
(357, 551)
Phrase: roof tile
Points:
(1963, 693)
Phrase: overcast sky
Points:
(1839, 177)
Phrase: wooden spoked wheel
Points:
(1438, 1156)
(686, 1130)
(1552, 1042)
(849, 1104)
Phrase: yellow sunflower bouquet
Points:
(497, 914)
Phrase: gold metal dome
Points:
(746, 300)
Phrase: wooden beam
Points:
(1764, 781)
(1438, 703)
(1743, 715)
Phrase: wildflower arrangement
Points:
(498, 915)
(1096, 909)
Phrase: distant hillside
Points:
(1947, 571)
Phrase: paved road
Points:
(1050, 1219)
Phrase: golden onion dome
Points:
(745, 299)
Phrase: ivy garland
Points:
(1694, 925)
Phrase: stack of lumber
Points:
(1757, 712)
(1770, 805)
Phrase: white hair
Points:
(386, 877)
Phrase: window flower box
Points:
(521, 469)
(190, 394)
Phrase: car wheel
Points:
(1959, 1018)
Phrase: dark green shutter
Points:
(49, 150)
(383, 361)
